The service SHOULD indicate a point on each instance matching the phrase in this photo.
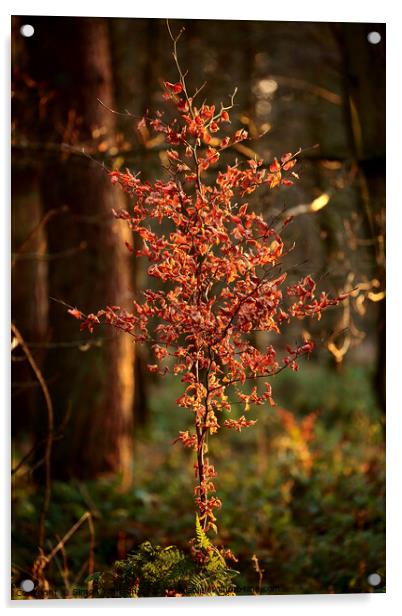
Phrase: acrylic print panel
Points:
(198, 309)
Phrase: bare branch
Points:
(50, 429)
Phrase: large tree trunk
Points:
(110, 436)
(94, 386)
(29, 265)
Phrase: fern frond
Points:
(202, 539)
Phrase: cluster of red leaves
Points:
(238, 424)
(217, 269)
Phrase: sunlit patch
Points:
(268, 86)
(263, 108)
(320, 202)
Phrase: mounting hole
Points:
(374, 579)
(374, 38)
(27, 585)
(27, 30)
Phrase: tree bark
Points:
(365, 115)
(71, 61)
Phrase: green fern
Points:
(215, 560)
(152, 571)
(202, 539)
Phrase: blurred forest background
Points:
(303, 492)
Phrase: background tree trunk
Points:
(29, 291)
(365, 93)
(95, 384)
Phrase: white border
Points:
(289, 10)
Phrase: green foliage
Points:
(314, 530)
(202, 538)
(153, 571)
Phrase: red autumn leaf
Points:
(289, 165)
(274, 179)
(275, 166)
(75, 313)
(173, 87)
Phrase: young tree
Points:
(219, 274)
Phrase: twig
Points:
(44, 559)
(82, 152)
(324, 93)
(80, 573)
(50, 429)
(72, 344)
(259, 571)
(91, 559)
(64, 570)
(50, 256)
(83, 490)
(125, 114)
(33, 449)
(48, 216)
(85, 516)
